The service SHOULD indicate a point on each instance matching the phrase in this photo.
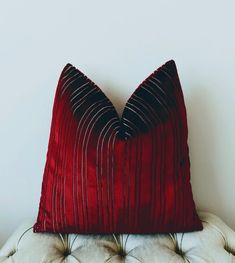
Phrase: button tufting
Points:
(67, 252)
(179, 252)
(12, 253)
(121, 252)
(179, 247)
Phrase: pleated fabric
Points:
(111, 174)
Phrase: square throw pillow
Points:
(111, 174)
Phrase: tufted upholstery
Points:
(216, 243)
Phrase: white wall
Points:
(117, 44)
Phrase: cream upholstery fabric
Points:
(216, 243)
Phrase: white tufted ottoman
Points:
(216, 243)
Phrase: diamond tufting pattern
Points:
(215, 243)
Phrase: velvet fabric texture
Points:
(111, 174)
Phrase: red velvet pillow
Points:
(106, 174)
